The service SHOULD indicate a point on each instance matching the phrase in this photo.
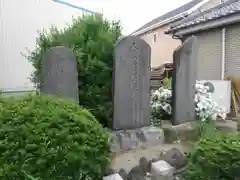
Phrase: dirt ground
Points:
(130, 159)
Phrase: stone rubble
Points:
(168, 166)
(161, 170)
(113, 177)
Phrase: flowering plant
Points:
(205, 106)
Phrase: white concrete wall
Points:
(19, 22)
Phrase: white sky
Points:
(132, 13)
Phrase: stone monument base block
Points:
(137, 138)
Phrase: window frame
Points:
(154, 37)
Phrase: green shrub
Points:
(49, 138)
(205, 128)
(215, 157)
(92, 39)
(167, 83)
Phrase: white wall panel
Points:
(19, 22)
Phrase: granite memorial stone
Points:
(184, 80)
(131, 83)
(59, 75)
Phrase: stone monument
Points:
(131, 118)
(184, 80)
(59, 75)
(131, 84)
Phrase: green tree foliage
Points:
(47, 138)
(215, 157)
(92, 39)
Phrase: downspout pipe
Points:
(223, 53)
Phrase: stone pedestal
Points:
(137, 138)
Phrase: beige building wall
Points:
(162, 48)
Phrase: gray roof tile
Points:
(228, 8)
(170, 14)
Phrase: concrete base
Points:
(137, 138)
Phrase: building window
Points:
(154, 37)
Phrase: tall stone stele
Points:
(184, 80)
(131, 83)
(59, 75)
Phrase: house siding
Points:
(162, 49)
(232, 56)
(209, 56)
(19, 23)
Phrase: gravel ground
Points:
(128, 160)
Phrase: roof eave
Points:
(220, 22)
(170, 20)
(160, 24)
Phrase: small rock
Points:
(113, 177)
(136, 173)
(152, 135)
(175, 158)
(123, 174)
(176, 177)
(114, 146)
(185, 127)
(187, 131)
(161, 170)
(109, 171)
(154, 160)
(227, 126)
(127, 140)
(150, 163)
(143, 162)
(170, 135)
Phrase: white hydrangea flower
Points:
(205, 106)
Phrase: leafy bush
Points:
(50, 138)
(167, 83)
(206, 108)
(215, 157)
(206, 128)
(92, 39)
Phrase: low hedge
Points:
(48, 138)
(215, 157)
